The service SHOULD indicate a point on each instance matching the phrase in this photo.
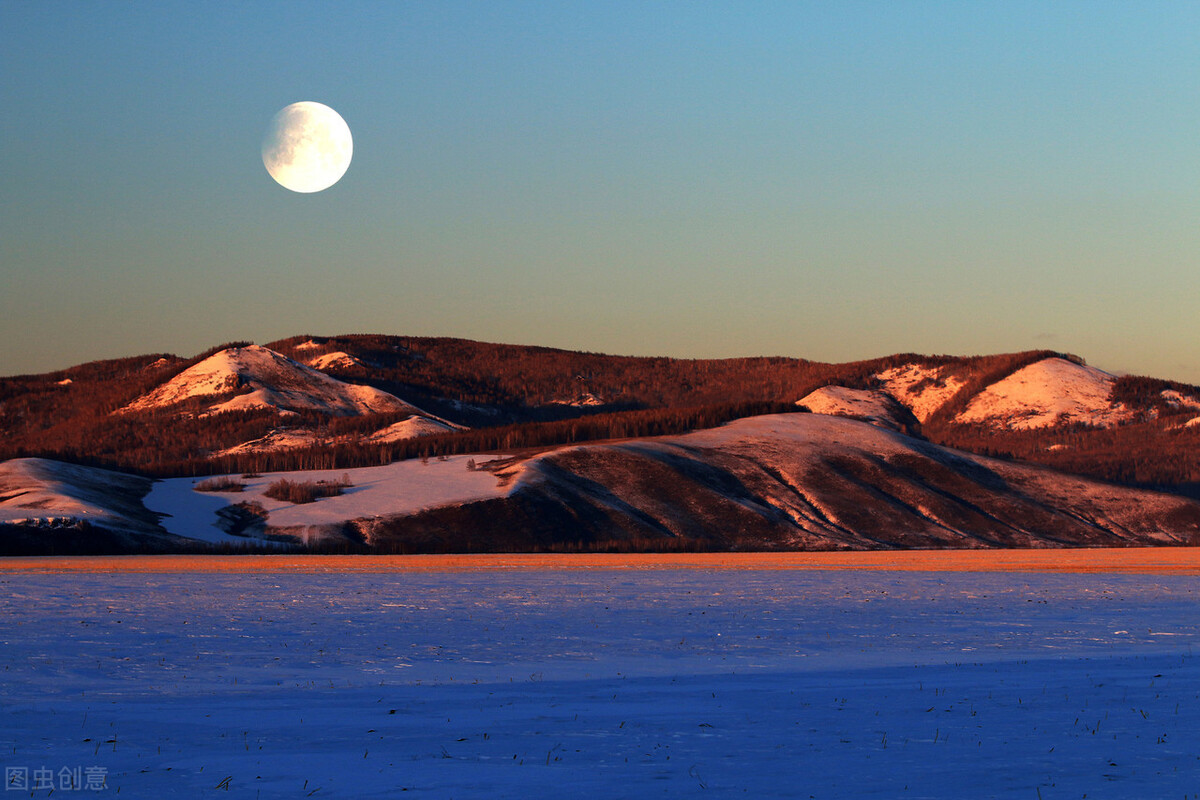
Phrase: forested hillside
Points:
(515, 397)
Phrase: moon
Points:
(307, 147)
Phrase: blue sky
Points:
(831, 181)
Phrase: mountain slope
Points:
(1053, 391)
(878, 408)
(920, 388)
(411, 428)
(51, 507)
(776, 482)
(1128, 429)
(262, 378)
(796, 481)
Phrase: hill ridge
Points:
(68, 414)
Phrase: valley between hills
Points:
(384, 444)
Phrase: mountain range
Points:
(588, 450)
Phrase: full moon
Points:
(307, 147)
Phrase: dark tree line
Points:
(505, 438)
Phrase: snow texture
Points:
(519, 684)
(278, 439)
(1176, 399)
(403, 487)
(1049, 392)
(41, 490)
(338, 360)
(411, 428)
(874, 407)
(922, 389)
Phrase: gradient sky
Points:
(832, 181)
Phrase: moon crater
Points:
(307, 147)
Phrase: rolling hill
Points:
(255, 377)
(248, 407)
(794, 481)
(775, 482)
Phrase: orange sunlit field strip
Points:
(1172, 560)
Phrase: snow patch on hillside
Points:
(1053, 391)
(338, 360)
(868, 406)
(161, 363)
(278, 439)
(273, 381)
(922, 389)
(412, 428)
(809, 438)
(1176, 399)
(344, 400)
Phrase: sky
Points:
(833, 181)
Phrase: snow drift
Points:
(48, 506)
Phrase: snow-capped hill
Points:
(923, 390)
(1053, 391)
(263, 378)
(868, 406)
(338, 360)
(278, 439)
(412, 428)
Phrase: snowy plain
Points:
(399, 487)
(611, 683)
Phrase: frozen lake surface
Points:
(635, 683)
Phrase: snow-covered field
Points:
(628, 683)
(396, 488)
